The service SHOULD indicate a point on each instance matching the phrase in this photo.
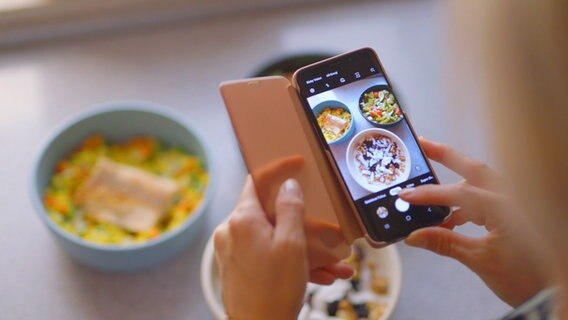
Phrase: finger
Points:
(220, 236)
(447, 223)
(248, 213)
(340, 270)
(326, 244)
(446, 243)
(249, 198)
(269, 177)
(475, 172)
(479, 206)
(289, 208)
(322, 276)
(437, 194)
(460, 217)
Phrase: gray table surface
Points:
(180, 65)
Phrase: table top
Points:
(180, 65)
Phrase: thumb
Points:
(289, 207)
(446, 243)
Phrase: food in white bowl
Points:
(377, 158)
(378, 286)
(370, 294)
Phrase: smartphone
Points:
(369, 141)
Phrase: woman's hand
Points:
(478, 199)
(264, 267)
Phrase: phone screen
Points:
(361, 123)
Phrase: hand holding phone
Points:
(342, 116)
(369, 141)
(275, 147)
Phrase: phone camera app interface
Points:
(372, 145)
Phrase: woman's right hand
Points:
(479, 198)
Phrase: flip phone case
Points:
(273, 130)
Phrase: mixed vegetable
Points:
(334, 123)
(380, 107)
(144, 153)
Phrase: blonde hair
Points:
(526, 58)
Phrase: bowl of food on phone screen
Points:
(377, 159)
(335, 121)
(379, 106)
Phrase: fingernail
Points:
(292, 187)
(416, 241)
(407, 192)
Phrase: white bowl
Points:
(352, 165)
(387, 260)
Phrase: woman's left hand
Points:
(263, 267)
(479, 199)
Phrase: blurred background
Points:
(60, 57)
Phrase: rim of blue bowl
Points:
(122, 105)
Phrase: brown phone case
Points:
(273, 130)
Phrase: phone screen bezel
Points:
(328, 64)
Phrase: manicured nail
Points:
(292, 187)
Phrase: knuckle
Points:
(291, 204)
(462, 187)
(293, 246)
(443, 247)
(219, 236)
(244, 204)
(426, 190)
(479, 166)
(235, 223)
(478, 170)
(445, 150)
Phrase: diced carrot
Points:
(183, 205)
(154, 232)
(376, 114)
(63, 207)
(93, 141)
(144, 145)
(189, 165)
(57, 204)
(61, 166)
(49, 200)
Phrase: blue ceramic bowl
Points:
(119, 121)
(335, 104)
